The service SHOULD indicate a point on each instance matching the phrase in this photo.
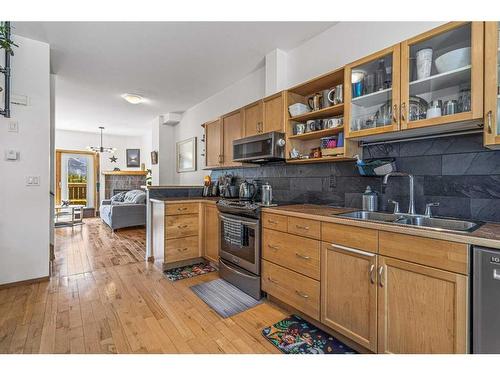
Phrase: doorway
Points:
(77, 179)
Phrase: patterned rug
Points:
(294, 335)
(186, 272)
(224, 298)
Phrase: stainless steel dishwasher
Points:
(486, 300)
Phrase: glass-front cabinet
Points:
(492, 85)
(442, 76)
(372, 94)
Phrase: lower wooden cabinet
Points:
(211, 232)
(420, 309)
(349, 293)
(299, 291)
(178, 249)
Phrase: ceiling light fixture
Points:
(101, 148)
(133, 98)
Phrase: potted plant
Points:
(149, 177)
(6, 42)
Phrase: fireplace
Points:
(118, 181)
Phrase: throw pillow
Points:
(120, 197)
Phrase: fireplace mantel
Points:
(124, 173)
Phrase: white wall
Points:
(71, 140)
(335, 47)
(25, 211)
(243, 92)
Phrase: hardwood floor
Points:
(103, 298)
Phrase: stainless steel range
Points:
(239, 244)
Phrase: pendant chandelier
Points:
(101, 148)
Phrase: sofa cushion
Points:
(118, 197)
(135, 196)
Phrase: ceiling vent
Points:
(171, 118)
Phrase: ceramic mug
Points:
(424, 63)
(336, 95)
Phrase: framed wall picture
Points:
(154, 157)
(186, 155)
(133, 158)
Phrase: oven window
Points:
(253, 149)
(238, 240)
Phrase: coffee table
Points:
(68, 216)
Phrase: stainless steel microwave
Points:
(260, 148)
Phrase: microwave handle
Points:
(239, 221)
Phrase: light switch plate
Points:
(32, 180)
(13, 126)
(11, 155)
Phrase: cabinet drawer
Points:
(181, 208)
(300, 292)
(446, 255)
(181, 226)
(299, 254)
(304, 227)
(273, 221)
(346, 235)
(181, 249)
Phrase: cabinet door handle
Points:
(381, 276)
(182, 250)
(490, 114)
(272, 221)
(182, 209)
(302, 294)
(273, 246)
(372, 274)
(302, 256)
(301, 227)
(395, 118)
(182, 226)
(403, 111)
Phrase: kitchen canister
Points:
(370, 200)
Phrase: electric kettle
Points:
(247, 190)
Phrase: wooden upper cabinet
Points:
(420, 309)
(371, 94)
(213, 142)
(274, 113)
(253, 119)
(349, 293)
(442, 76)
(231, 130)
(491, 85)
(211, 232)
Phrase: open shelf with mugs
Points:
(315, 124)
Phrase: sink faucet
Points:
(411, 207)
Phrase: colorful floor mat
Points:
(293, 335)
(186, 272)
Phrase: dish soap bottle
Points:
(370, 200)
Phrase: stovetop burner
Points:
(239, 207)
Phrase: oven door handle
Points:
(235, 270)
(239, 221)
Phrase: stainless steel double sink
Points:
(435, 223)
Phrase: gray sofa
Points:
(124, 210)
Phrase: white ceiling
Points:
(175, 65)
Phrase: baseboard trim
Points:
(25, 282)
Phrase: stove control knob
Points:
(280, 142)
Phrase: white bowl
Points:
(298, 109)
(453, 60)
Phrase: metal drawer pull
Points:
(489, 122)
(182, 226)
(182, 209)
(301, 227)
(351, 250)
(273, 246)
(182, 250)
(372, 275)
(302, 256)
(271, 280)
(272, 221)
(303, 295)
(380, 276)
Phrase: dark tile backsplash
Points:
(457, 172)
